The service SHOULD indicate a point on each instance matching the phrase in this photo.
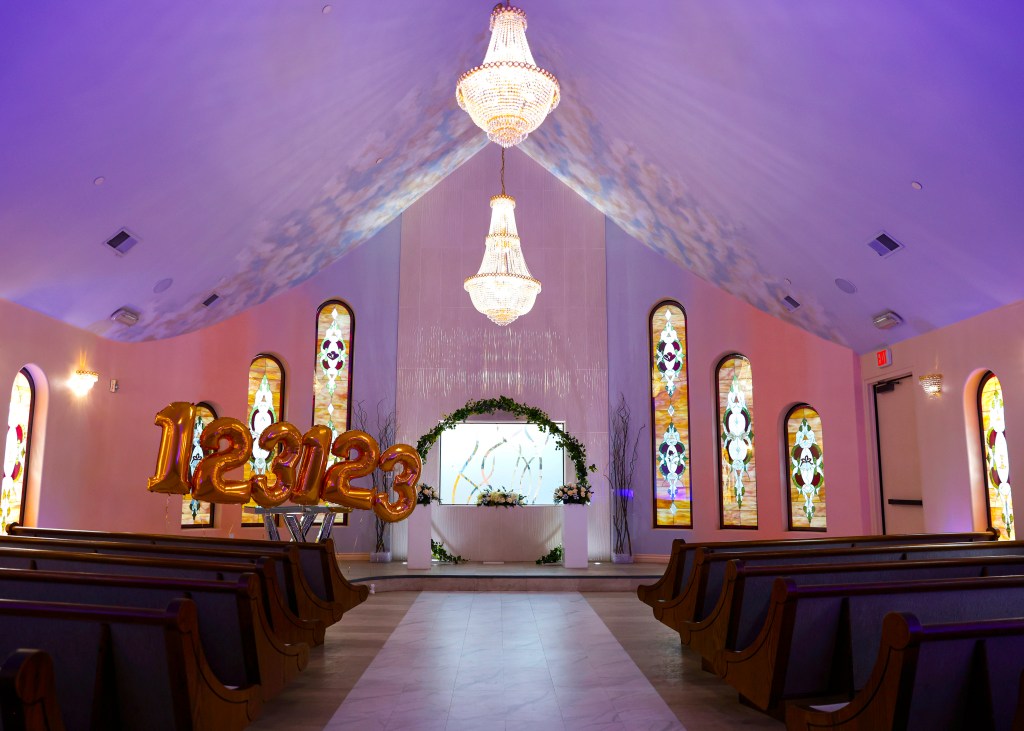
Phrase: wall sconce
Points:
(82, 382)
(931, 384)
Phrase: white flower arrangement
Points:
(573, 494)
(425, 494)
(500, 498)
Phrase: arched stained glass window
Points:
(670, 416)
(992, 417)
(266, 407)
(737, 484)
(332, 372)
(805, 449)
(196, 514)
(16, 451)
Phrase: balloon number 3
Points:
(300, 465)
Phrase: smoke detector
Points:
(125, 316)
(886, 320)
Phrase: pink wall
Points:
(100, 450)
(554, 358)
(789, 365)
(948, 441)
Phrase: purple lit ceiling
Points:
(752, 143)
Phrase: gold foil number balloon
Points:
(176, 422)
(208, 482)
(337, 482)
(404, 484)
(309, 478)
(283, 466)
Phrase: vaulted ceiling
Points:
(760, 145)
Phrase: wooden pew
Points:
(28, 693)
(743, 604)
(318, 562)
(238, 642)
(934, 677)
(285, 559)
(821, 641)
(286, 625)
(680, 561)
(125, 668)
(708, 574)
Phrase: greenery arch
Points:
(569, 444)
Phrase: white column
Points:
(574, 536)
(418, 551)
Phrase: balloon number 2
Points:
(300, 465)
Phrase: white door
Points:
(899, 465)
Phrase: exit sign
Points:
(883, 357)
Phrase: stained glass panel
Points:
(16, 451)
(196, 514)
(737, 476)
(266, 396)
(805, 449)
(670, 417)
(333, 369)
(997, 459)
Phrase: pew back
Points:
(681, 557)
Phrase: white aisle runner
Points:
(494, 662)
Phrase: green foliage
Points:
(438, 551)
(552, 556)
(572, 447)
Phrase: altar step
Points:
(476, 576)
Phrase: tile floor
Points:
(491, 661)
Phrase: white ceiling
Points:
(753, 143)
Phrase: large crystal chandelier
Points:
(503, 289)
(507, 96)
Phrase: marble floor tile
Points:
(439, 661)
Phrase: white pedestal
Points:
(419, 525)
(574, 536)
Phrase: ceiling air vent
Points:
(125, 316)
(885, 245)
(789, 303)
(122, 242)
(210, 300)
(886, 320)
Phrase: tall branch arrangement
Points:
(571, 446)
(385, 436)
(625, 450)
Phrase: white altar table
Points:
(498, 534)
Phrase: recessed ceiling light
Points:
(163, 285)
(99, 180)
(915, 185)
(379, 161)
(326, 9)
(846, 285)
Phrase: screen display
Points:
(507, 456)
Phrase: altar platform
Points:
(478, 576)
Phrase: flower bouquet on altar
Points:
(500, 498)
(573, 494)
(425, 494)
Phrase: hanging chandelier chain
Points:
(502, 170)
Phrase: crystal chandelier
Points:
(507, 96)
(503, 289)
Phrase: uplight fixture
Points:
(82, 381)
(931, 384)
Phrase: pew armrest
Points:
(28, 694)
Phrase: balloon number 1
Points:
(300, 466)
